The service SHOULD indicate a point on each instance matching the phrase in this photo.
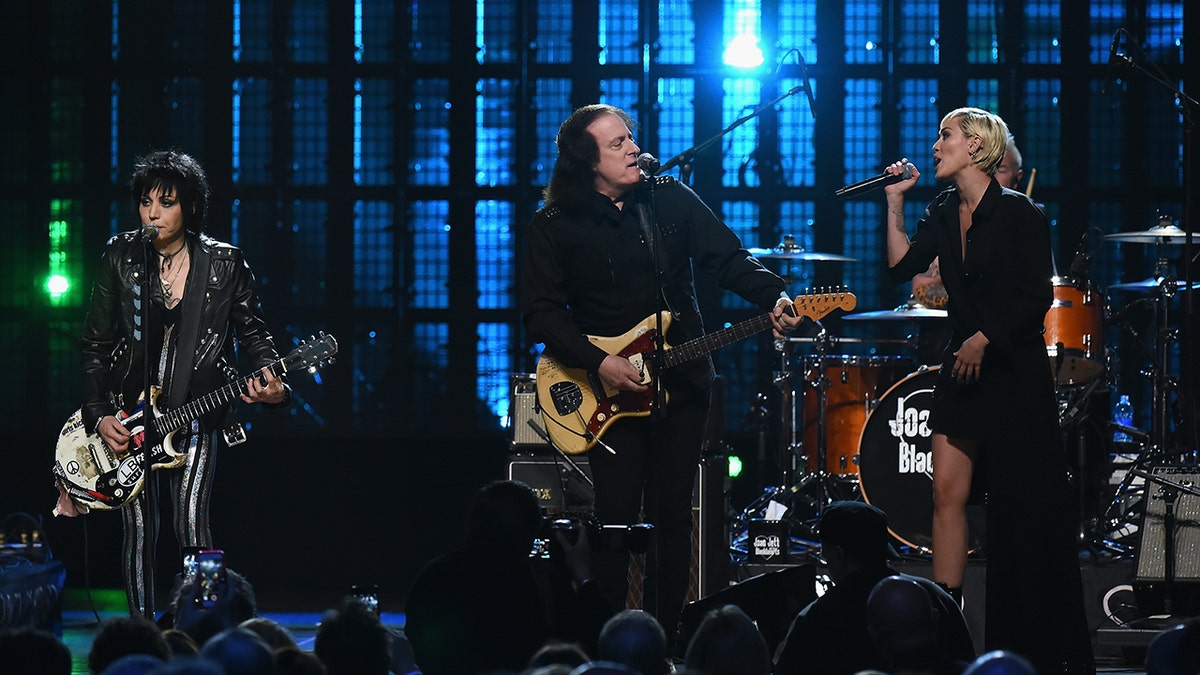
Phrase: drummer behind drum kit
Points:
(861, 430)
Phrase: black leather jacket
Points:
(112, 360)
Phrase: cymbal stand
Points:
(1162, 383)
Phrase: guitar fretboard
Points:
(182, 416)
(711, 342)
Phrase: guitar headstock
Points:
(816, 305)
(314, 353)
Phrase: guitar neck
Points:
(193, 410)
(711, 342)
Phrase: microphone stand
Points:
(149, 494)
(684, 159)
(1188, 107)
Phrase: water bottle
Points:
(1123, 415)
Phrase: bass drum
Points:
(896, 463)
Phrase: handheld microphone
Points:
(882, 180)
(149, 232)
(648, 163)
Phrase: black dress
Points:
(1002, 287)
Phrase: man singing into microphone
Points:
(599, 251)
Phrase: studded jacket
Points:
(221, 300)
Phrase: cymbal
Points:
(1159, 234)
(1151, 284)
(905, 312)
(781, 253)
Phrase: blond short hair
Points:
(991, 130)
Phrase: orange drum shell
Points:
(855, 384)
(1076, 321)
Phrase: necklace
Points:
(168, 258)
(167, 266)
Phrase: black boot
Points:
(956, 592)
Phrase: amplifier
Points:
(562, 484)
(525, 423)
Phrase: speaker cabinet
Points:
(525, 423)
(1151, 559)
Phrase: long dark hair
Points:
(172, 171)
(574, 173)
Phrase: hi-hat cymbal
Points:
(905, 312)
(1150, 285)
(797, 254)
(1159, 234)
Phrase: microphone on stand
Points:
(882, 180)
(149, 232)
(648, 163)
(1114, 59)
(1081, 263)
(812, 101)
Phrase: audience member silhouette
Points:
(1175, 650)
(296, 661)
(1001, 662)
(604, 668)
(352, 641)
(903, 625)
(728, 643)
(557, 652)
(181, 643)
(133, 664)
(636, 639)
(124, 635)
(276, 636)
(489, 605)
(235, 603)
(32, 651)
(829, 636)
(239, 652)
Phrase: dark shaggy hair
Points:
(574, 171)
(172, 171)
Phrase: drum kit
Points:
(855, 426)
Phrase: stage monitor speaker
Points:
(1151, 559)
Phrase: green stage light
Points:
(57, 285)
(735, 466)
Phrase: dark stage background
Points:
(378, 161)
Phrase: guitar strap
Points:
(193, 302)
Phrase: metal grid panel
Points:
(864, 31)
(431, 31)
(983, 31)
(308, 41)
(494, 122)
(619, 32)
(496, 35)
(1043, 122)
(742, 95)
(252, 27)
(374, 133)
(429, 163)
(676, 117)
(494, 254)
(919, 32)
(1043, 31)
(310, 131)
(742, 218)
(187, 111)
(66, 130)
(494, 363)
(798, 28)
(553, 31)
(310, 221)
(375, 261)
(251, 152)
(430, 224)
(796, 130)
(376, 30)
(552, 105)
(918, 119)
(676, 32)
